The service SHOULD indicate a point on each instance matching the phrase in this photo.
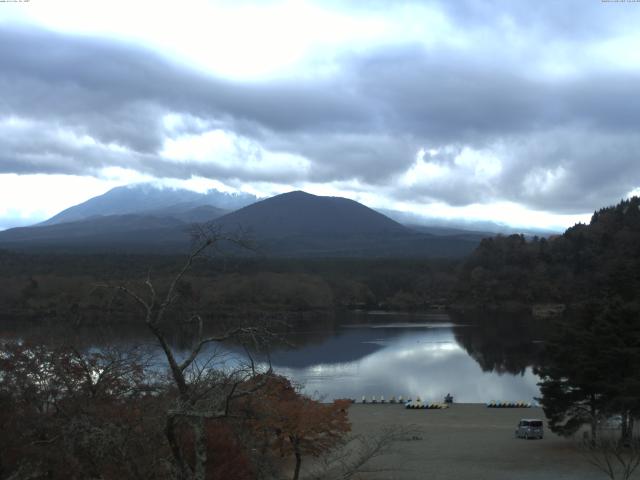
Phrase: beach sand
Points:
(469, 441)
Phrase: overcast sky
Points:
(522, 112)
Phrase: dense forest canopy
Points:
(586, 260)
(61, 286)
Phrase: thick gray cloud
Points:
(565, 143)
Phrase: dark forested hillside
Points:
(297, 213)
(602, 258)
(295, 224)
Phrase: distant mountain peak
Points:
(296, 193)
(145, 197)
(302, 213)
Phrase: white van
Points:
(530, 428)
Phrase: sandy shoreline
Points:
(470, 441)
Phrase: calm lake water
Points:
(426, 355)
(476, 359)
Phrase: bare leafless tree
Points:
(204, 390)
(617, 459)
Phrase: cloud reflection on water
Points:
(407, 361)
(476, 360)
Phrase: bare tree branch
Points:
(614, 458)
(354, 456)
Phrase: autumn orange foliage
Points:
(293, 424)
